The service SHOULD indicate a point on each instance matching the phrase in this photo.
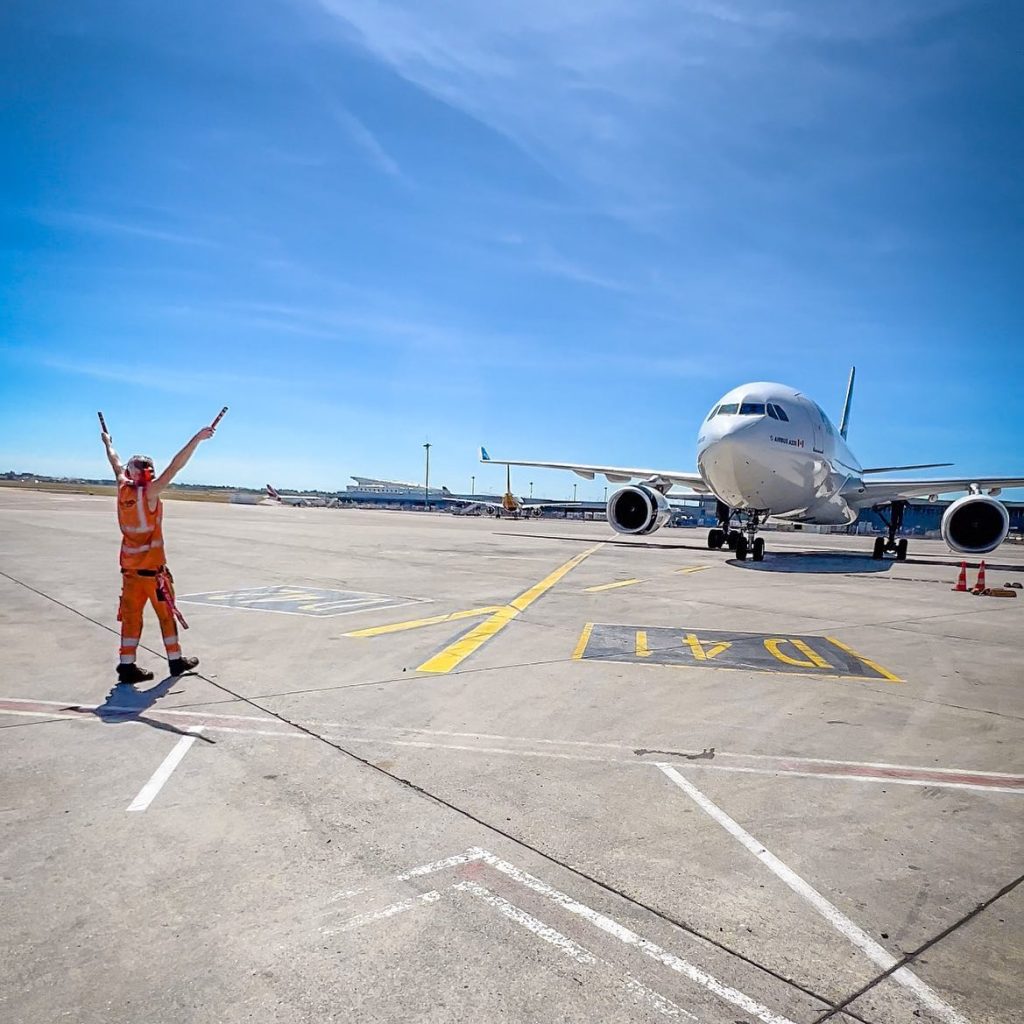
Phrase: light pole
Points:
(606, 495)
(574, 492)
(472, 486)
(531, 490)
(426, 479)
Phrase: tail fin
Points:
(273, 493)
(484, 457)
(844, 421)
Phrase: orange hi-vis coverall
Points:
(142, 560)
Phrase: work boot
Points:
(133, 674)
(179, 666)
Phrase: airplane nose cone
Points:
(730, 462)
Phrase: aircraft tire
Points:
(741, 548)
(715, 539)
(901, 549)
(758, 552)
(879, 549)
(732, 539)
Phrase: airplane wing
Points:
(879, 492)
(615, 474)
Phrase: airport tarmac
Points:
(453, 769)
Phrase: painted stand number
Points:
(755, 652)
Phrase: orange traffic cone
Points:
(979, 587)
(961, 583)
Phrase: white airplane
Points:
(769, 450)
(295, 500)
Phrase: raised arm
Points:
(113, 458)
(177, 464)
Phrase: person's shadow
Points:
(126, 704)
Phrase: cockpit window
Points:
(752, 409)
(771, 411)
(711, 414)
(731, 409)
(782, 413)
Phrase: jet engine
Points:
(975, 524)
(638, 509)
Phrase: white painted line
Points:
(423, 869)
(527, 921)
(38, 714)
(630, 747)
(343, 894)
(605, 924)
(577, 952)
(149, 791)
(439, 865)
(130, 709)
(773, 765)
(631, 938)
(877, 779)
(835, 917)
(705, 765)
(390, 911)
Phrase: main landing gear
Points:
(741, 542)
(893, 523)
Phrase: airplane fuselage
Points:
(767, 447)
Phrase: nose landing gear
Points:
(893, 523)
(743, 543)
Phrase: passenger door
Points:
(818, 426)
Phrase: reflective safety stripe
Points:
(127, 659)
(140, 504)
(129, 641)
(142, 547)
(136, 529)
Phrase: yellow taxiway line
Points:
(433, 620)
(611, 586)
(629, 583)
(454, 654)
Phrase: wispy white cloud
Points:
(365, 140)
(152, 376)
(650, 107)
(549, 262)
(102, 224)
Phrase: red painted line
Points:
(766, 763)
(911, 774)
(168, 716)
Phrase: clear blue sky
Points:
(559, 229)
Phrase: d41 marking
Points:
(710, 648)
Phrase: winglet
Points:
(484, 457)
(844, 422)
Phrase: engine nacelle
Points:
(638, 509)
(975, 524)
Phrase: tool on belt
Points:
(165, 592)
